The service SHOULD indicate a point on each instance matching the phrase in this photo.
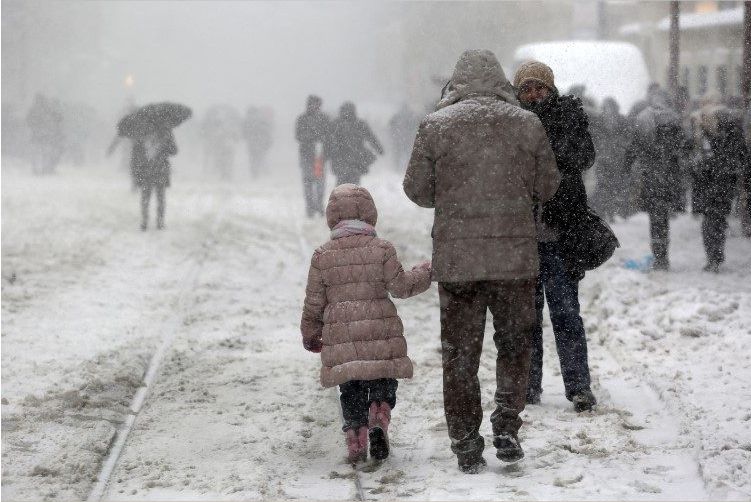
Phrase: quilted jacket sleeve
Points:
(401, 283)
(311, 324)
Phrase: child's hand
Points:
(426, 265)
(313, 344)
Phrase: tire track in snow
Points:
(185, 289)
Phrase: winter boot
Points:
(583, 401)
(712, 266)
(661, 265)
(472, 464)
(362, 438)
(507, 447)
(533, 397)
(379, 416)
(661, 261)
(355, 452)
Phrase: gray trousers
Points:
(146, 191)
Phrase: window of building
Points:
(727, 4)
(739, 79)
(722, 80)
(701, 80)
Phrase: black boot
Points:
(712, 266)
(533, 397)
(583, 401)
(660, 252)
(507, 447)
(472, 464)
(661, 264)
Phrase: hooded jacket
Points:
(483, 163)
(347, 303)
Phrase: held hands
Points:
(314, 344)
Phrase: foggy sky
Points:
(195, 52)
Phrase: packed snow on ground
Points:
(236, 411)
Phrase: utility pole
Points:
(602, 20)
(746, 76)
(675, 38)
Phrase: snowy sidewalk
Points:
(236, 411)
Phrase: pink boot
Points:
(362, 436)
(355, 450)
(384, 415)
(379, 416)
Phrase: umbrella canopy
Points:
(152, 117)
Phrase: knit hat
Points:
(534, 70)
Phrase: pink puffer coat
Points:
(347, 303)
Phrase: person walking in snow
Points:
(350, 157)
(151, 168)
(349, 318)
(656, 147)
(720, 156)
(258, 129)
(611, 134)
(45, 121)
(483, 163)
(312, 131)
(566, 125)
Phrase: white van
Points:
(614, 69)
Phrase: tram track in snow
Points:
(196, 260)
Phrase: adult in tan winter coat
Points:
(483, 163)
(349, 317)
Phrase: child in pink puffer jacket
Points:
(349, 318)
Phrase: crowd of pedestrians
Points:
(669, 156)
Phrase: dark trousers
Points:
(348, 177)
(463, 311)
(313, 187)
(356, 396)
(562, 292)
(659, 234)
(713, 233)
(146, 198)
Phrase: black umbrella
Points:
(152, 117)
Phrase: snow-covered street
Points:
(235, 411)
